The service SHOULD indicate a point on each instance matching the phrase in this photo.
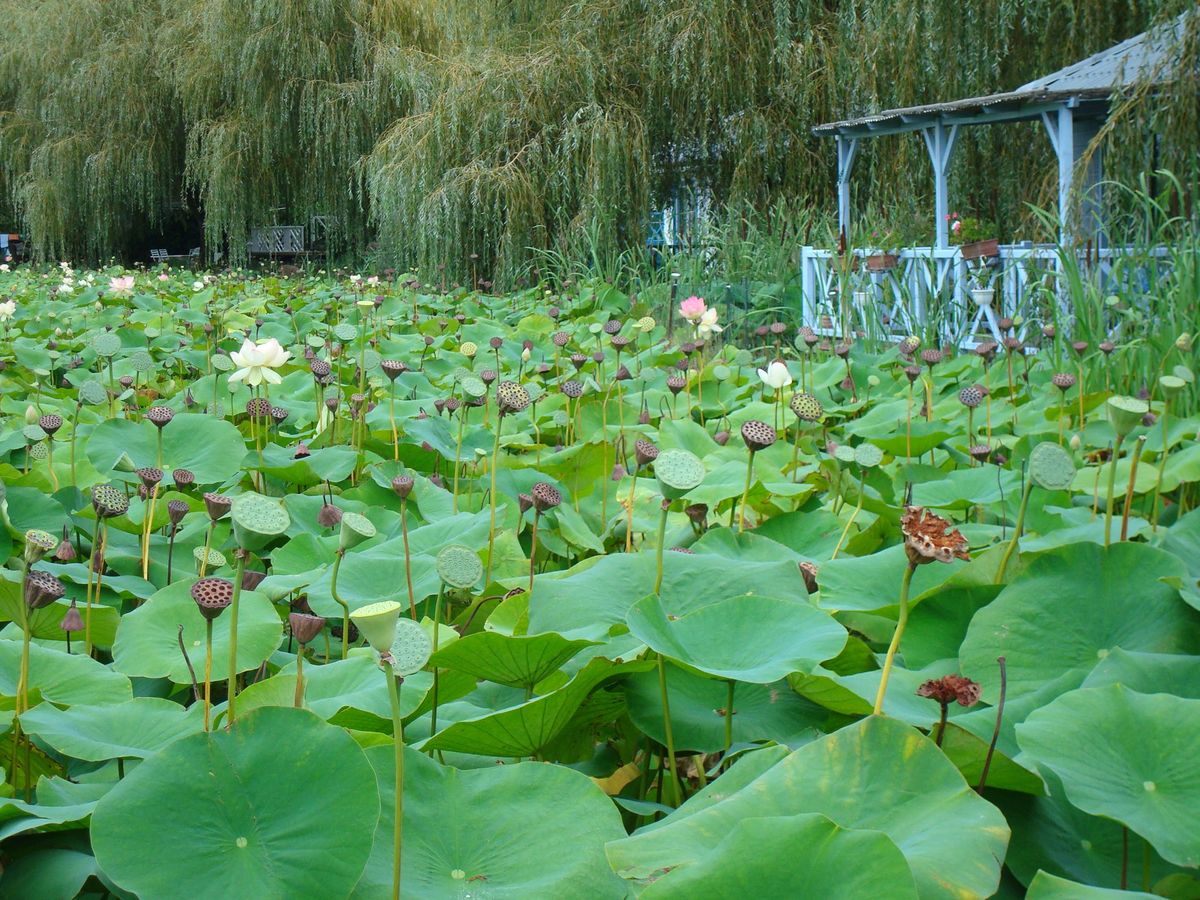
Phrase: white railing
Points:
(934, 286)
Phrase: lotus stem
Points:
(147, 527)
(854, 515)
(50, 463)
(26, 627)
(745, 493)
(337, 564)
(629, 509)
(668, 733)
(1112, 480)
(532, 552)
(158, 456)
(908, 424)
(1012, 544)
(1162, 466)
(492, 497)
(208, 659)
(437, 617)
(207, 547)
(662, 537)
(233, 624)
(398, 739)
(729, 688)
(298, 700)
(97, 549)
(890, 659)
(74, 427)
(412, 602)
(462, 421)
(1133, 467)
(392, 421)
(987, 760)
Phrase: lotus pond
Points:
(328, 588)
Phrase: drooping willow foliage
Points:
(472, 133)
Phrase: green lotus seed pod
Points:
(1051, 467)
(216, 558)
(345, 332)
(106, 344)
(92, 392)
(473, 386)
(125, 464)
(1184, 373)
(844, 453)
(1126, 413)
(459, 566)
(1171, 385)
(37, 544)
(356, 528)
(377, 623)
(411, 648)
(677, 472)
(257, 519)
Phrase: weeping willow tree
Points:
(471, 134)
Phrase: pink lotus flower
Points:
(957, 226)
(122, 284)
(692, 308)
(164, 277)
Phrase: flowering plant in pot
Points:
(974, 237)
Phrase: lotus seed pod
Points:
(1079, 347)
(909, 346)
(319, 367)
(1064, 381)
(806, 407)
(561, 338)
(511, 397)
(970, 397)
(697, 513)
(1005, 323)
(620, 342)
(722, 437)
(217, 505)
(544, 496)
(1013, 345)
(257, 520)
(65, 552)
(980, 452)
(468, 349)
(252, 579)
(356, 528)
(758, 435)
(183, 478)
(677, 472)
(212, 596)
(258, 408)
(215, 558)
(108, 502)
(1125, 413)
(50, 423)
(458, 566)
(72, 622)
(41, 589)
(1171, 385)
(644, 451)
(578, 360)
(161, 416)
(496, 342)
(487, 376)
(572, 389)
(676, 383)
(644, 417)
(986, 349)
(912, 373)
(931, 357)
(37, 544)
(328, 515)
(150, 476)
(411, 648)
(393, 368)
(278, 414)
(305, 627)
(176, 510)
(403, 486)
(524, 502)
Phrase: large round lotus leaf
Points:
(411, 648)
(747, 638)
(518, 661)
(1050, 887)
(61, 677)
(147, 644)
(875, 775)
(761, 712)
(282, 806)
(678, 471)
(212, 449)
(792, 856)
(106, 343)
(868, 455)
(1051, 467)
(1122, 754)
(459, 566)
(257, 519)
(136, 728)
(1070, 608)
(504, 832)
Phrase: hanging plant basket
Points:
(981, 249)
(882, 262)
(983, 296)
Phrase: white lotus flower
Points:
(121, 284)
(197, 285)
(776, 375)
(7, 310)
(257, 362)
(707, 326)
(3, 267)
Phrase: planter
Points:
(826, 321)
(882, 262)
(983, 296)
(981, 249)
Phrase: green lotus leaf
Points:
(1050, 887)
(261, 820)
(136, 728)
(212, 449)
(748, 638)
(1118, 754)
(518, 661)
